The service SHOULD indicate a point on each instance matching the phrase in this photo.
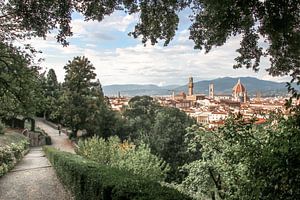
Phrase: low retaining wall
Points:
(37, 138)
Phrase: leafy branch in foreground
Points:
(213, 22)
(246, 161)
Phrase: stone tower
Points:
(191, 86)
(211, 91)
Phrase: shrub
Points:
(10, 154)
(138, 160)
(90, 180)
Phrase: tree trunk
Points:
(213, 196)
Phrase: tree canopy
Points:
(78, 93)
(83, 103)
(162, 128)
(20, 90)
(213, 22)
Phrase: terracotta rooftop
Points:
(238, 88)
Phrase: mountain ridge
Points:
(222, 85)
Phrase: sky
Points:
(121, 59)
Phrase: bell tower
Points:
(191, 86)
(211, 91)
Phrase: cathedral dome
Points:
(238, 88)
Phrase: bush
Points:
(139, 160)
(90, 180)
(11, 154)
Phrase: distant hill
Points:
(221, 86)
(135, 89)
(225, 85)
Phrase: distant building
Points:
(202, 118)
(180, 96)
(211, 91)
(220, 97)
(183, 104)
(239, 92)
(213, 110)
(217, 116)
(191, 86)
(191, 96)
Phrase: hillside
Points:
(221, 86)
(225, 85)
(137, 90)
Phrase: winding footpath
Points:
(33, 178)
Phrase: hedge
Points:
(11, 153)
(89, 180)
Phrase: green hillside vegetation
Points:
(221, 86)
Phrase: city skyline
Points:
(121, 59)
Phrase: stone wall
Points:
(36, 138)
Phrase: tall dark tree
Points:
(102, 120)
(51, 93)
(84, 104)
(20, 89)
(52, 83)
(78, 87)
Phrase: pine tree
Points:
(84, 104)
(51, 93)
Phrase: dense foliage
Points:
(162, 128)
(20, 89)
(52, 93)
(83, 102)
(244, 161)
(125, 156)
(140, 115)
(12, 148)
(90, 180)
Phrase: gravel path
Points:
(58, 141)
(34, 178)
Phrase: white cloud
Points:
(99, 30)
(139, 64)
(183, 36)
(167, 65)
